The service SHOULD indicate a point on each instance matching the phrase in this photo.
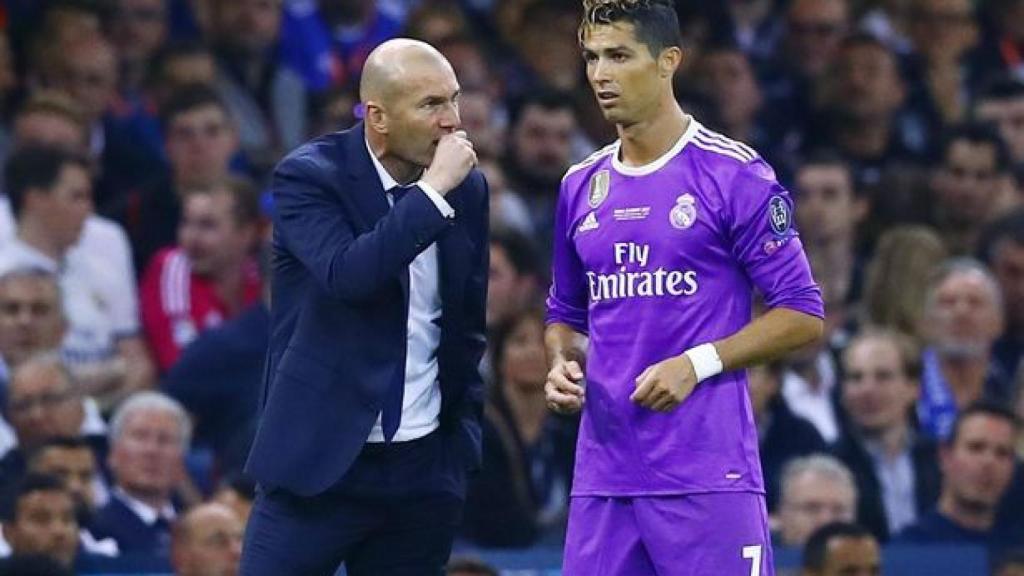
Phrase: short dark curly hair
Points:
(655, 22)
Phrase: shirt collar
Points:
(27, 255)
(385, 179)
(145, 512)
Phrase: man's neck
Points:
(648, 140)
(228, 283)
(152, 498)
(966, 377)
(893, 440)
(184, 181)
(969, 516)
(402, 171)
(864, 138)
(32, 234)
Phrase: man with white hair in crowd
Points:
(149, 435)
(963, 318)
(816, 490)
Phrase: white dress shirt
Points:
(421, 402)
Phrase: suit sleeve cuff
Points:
(442, 205)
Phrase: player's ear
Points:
(669, 61)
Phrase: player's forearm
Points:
(768, 337)
(564, 343)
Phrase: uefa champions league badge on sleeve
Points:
(779, 215)
(684, 214)
(598, 188)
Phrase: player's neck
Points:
(645, 141)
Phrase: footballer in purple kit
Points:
(662, 240)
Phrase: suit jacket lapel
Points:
(364, 187)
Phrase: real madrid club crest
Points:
(598, 188)
(684, 214)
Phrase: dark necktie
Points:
(391, 415)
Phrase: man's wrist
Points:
(705, 360)
(437, 198)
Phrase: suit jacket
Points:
(339, 311)
(870, 508)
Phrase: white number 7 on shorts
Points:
(753, 553)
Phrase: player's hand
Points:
(563, 390)
(453, 159)
(663, 386)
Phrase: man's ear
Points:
(376, 117)
(669, 61)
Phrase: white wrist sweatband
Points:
(705, 360)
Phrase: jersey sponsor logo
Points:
(779, 215)
(589, 223)
(684, 214)
(643, 283)
(598, 188)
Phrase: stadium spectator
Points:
(964, 317)
(782, 435)
(977, 466)
(50, 195)
(1003, 250)
(941, 33)
(73, 461)
(201, 140)
(896, 470)
(42, 521)
(816, 490)
(842, 549)
(1002, 103)
(726, 77)
(31, 316)
(139, 29)
(209, 277)
(514, 278)
(237, 494)
(207, 542)
(267, 100)
(218, 378)
(896, 282)
(810, 45)
(828, 212)
(969, 186)
(149, 434)
(522, 490)
(540, 148)
(52, 119)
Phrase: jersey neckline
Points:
(658, 163)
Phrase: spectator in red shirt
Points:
(209, 276)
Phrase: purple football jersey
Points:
(648, 262)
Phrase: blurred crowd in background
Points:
(138, 138)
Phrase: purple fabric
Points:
(694, 535)
(650, 262)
